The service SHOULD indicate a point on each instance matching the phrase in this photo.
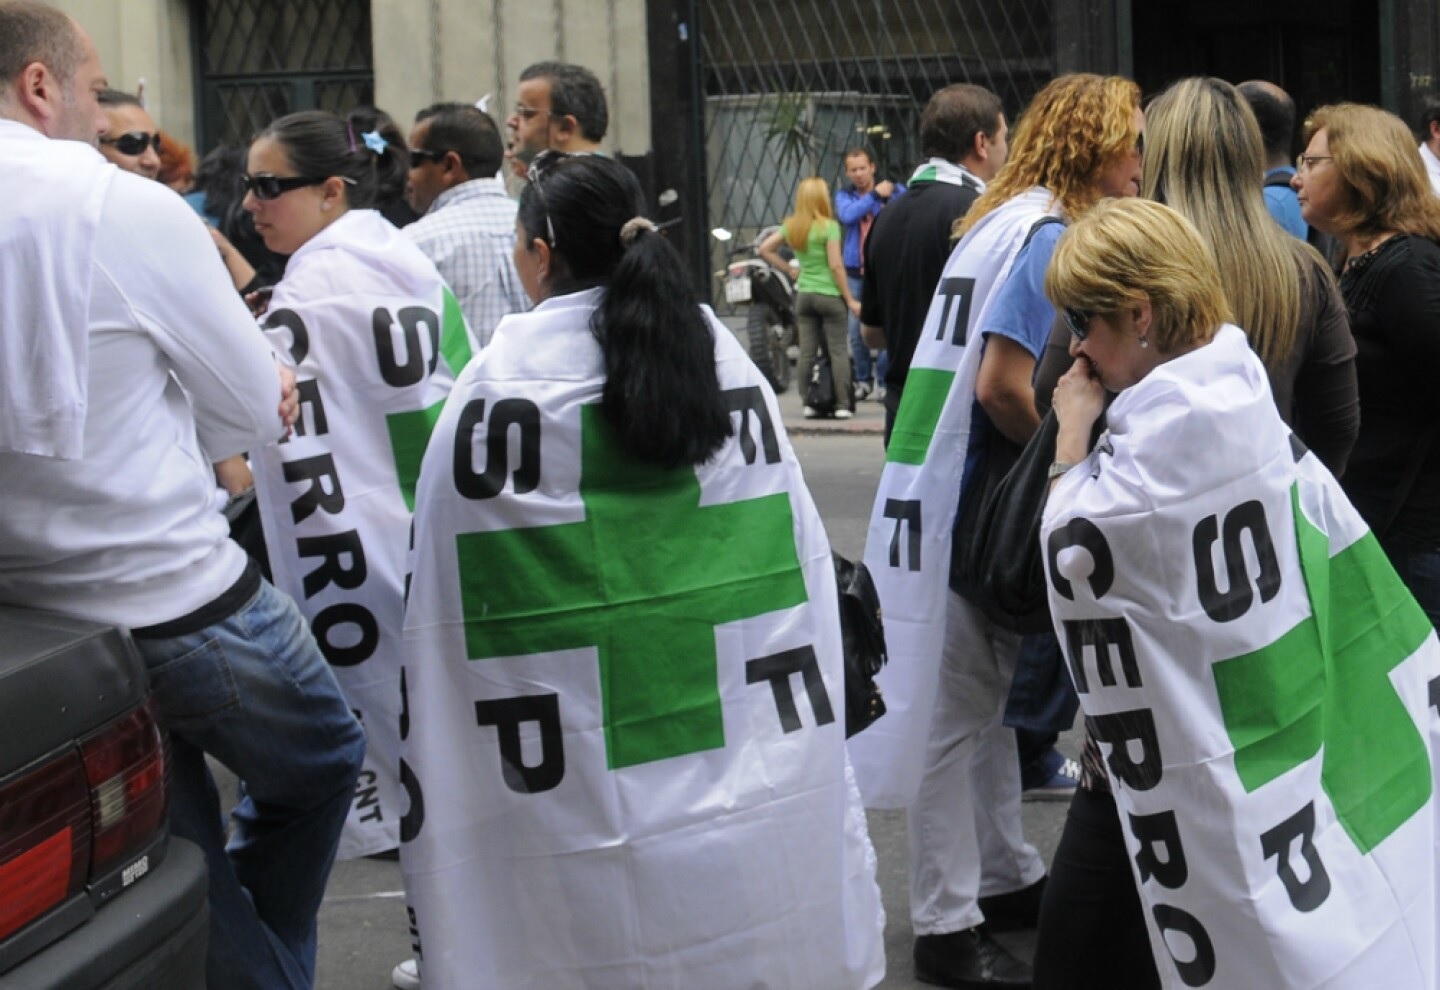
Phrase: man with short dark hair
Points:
(467, 227)
(132, 138)
(558, 107)
(1430, 141)
(963, 134)
(856, 208)
(1275, 112)
(124, 350)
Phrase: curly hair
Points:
(1074, 129)
(1385, 186)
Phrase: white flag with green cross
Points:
(373, 365)
(1261, 684)
(623, 734)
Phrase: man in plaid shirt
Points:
(467, 223)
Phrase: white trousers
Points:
(966, 837)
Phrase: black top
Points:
(1393, 296)
(905, 255)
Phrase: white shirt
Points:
(127, 534)
(469, 233)
(1432, 166)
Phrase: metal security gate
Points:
(261, 59)
(790, 85)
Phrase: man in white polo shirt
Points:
(114, 299)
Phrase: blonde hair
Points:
(1204, 157)
(1385, 186)
(1074, 129)
(812, 204)
(1126, 251)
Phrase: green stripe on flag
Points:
(645, 579)
(409, 434)
(926, 390)
(454, 340)
(1326, 681)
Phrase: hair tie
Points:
(374, 142)
(632, 229)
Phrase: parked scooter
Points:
(770, 320)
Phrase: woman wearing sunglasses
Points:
(1272, 822)
(617, 567)
(1361, 181)
(375, 339)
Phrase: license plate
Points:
(737, 290)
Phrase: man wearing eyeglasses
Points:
(558, 107)
(132, 138)
(115, 300)
(467, 223)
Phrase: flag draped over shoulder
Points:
(375, 339)
(1261, 684)
(624, 738)
(908, 549)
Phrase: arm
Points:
(837, 272)
(1003, 390)
(770, 250)
(182, 296)
(1326, 396)
(850, 208)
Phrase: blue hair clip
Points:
(375, 142)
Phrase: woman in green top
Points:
(823, 292)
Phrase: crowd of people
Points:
(457, 529)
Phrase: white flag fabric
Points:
(375, 339)
(1261, 684)
(908, 548)
(625, 718)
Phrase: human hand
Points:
(885, 189)
(259, 300)
(1078, 401)
(854, 307)
(289, 398)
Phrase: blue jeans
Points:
(254, 692)
(865, 369)
(1420, 570)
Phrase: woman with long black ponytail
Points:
(624, 666)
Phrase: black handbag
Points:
(995, 560)
(862, 633)
(820, 389)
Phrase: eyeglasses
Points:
(418, 156)
(1305, 162)
(1078, 320)
(525, 113)
(268, 187)
(541, 164)
(134, 142)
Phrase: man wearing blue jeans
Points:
(857, 208)
(127, 364)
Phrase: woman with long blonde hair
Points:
(1205, 159)
(823, 299)
(1361, 181)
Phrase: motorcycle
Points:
(770, 319)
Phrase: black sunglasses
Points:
(1078, 320)
(269, 187)
(134, 142)
(420, 155)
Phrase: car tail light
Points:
(125, 767)
(44, 840)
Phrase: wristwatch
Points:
(1057, 469)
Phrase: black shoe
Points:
(1016, 911)
(968, 960)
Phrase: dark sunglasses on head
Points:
(418, 156)
(1078, 320)
(134, 142)
(274, 186)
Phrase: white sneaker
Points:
(811, 413)
(843, 414)
(406, 976)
